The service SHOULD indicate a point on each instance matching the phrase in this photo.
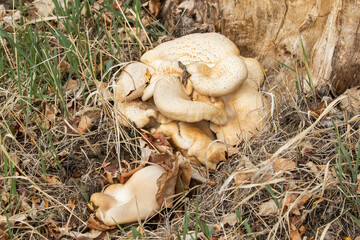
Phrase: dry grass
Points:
(49, 169)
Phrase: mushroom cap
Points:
(196, 141)
(198, 47)
(172, 102)
(135, 200)
(246, 110)
(166, 68)
(133, 77)
(226, 76)
(255, 72)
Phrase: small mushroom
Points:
(197, 141)
(246, 110)
(133, 78)
(135, 200)
(172, 102)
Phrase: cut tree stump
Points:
(270, 30)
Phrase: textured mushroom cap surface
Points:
(223, 78)
(196, 140)
(246, 110)
(199, 47)
(135, 200)
(255, 72)
(133, 77)
(172, 102)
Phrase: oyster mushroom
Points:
(135, 200)
(131, 79)
(211, 58)
(246, 110)
(196, 141)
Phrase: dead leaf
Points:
(134, 94)
(63, 65)
(95, 224)
(80, 236)
(352, 101)
(12, 219)
(2, 11)
(283, 164)
(197, 175)
(70, 86)
(230, 219)
(358, 180)
(295, 235)
(184, 175)
(14, 17)
(307, 148)
(166, 183)
(268, 208)
(71, 204)
(104, 91)
(44, 7)
(155, 7)
(294, 202)
(84, 124)
(51, 180)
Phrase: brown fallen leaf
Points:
(14, 17)
(230, 219)
(2, 11)
(155, 7)
(283, 164)
(166, 184)
(51, 180)
(295, 235)
(294, 202)
(44, 7)
(104, 91)
(72, 85)
(84, 124)
(80, 236)
(96, 224)
(352, 101)
(184, 175)
(268, 208)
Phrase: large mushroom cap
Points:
(133, 201)
(172, 102)
(246, 110)
(226, 76)
(207, 48)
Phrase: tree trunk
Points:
(270, 30)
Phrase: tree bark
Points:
(270, 30)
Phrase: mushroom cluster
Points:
(198, 89)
